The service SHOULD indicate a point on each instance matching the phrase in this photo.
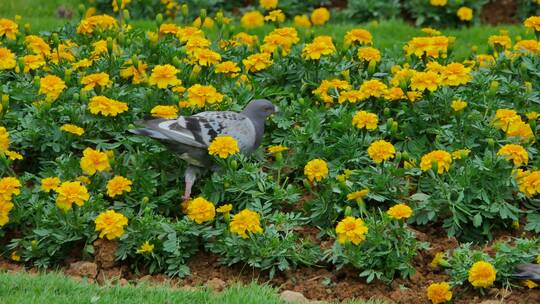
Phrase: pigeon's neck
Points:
(258, 123)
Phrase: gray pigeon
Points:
(527, 272)
(190, 136)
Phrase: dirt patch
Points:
(499, 12)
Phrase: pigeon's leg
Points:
(189, 176)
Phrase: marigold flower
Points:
(352, 96)
(257, 62)
(200, 210)
(527, 47)
(482, 274)
(520, 129)
(369, 54)
(399, 211)
(15, 256)
(373, 88)
(381, 150)
(8, 28)
(363, 119)
(442, 158)
(110, 224)
(227, 67)
(199, 95)
(320, 16)
(420, 81)
(438, 259)
(275, 16)
(168, 112)
(205, 57)
(461, 153)
(208, 22)
(352, 230)
(532, 23)
(515, 153)
(50, 183)
(436, 46)
(244, 222)
(123, 4)
(438, 2)
(223, 146)
(302, 21)
(455, 74)
(163, 76)
(500, 40)
(439, 293)
(4, 139)
(5, 208)
(394, 94)
(138, 73)
(145, 248)
(504, 117)
(106, 106)
(33, 62)
(245, 39)
(252, 19)
(118, 185)
(529, 284)
(357, 195)
(52, 86)
(73, 129)
(360, 36)
(529, 183)
(168, 28)
(458, 105)
(12, 155)
(268, 4)
(316, 170)
(93, 161)
(277, 149)
(37, 45)
(224, 208)
(321, 46)
(94, 80)
(9, 186)
(99, 22)
(70, 193)
(465, 13)
(7, 59)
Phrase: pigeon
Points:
(190, 136)
(527, 272)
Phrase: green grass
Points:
(52, 288)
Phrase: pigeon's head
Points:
(260, 109)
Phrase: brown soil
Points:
(499, 12)
(316, 283)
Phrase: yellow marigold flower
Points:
(257, 62)
(138, 73)
(381, 150)
(168, 28)
(199, 95)
(485, 60)
(33, 62)
(437, 259)
(224, 208)
(275, 16)
(320, 16)
(227, 67)
(268, 4)
(93, 161)
(252, 19)
(504, 117)
(420, 81)
(439, 293)
(15, 256)
(527, 47)
(515, 153)
(357, 195)
(442, 158)
(8, 28)
(465, 13)
(94, 80)
(5, 208)
(106, 106)
(399, 211)
(373, 88)
(244, 222)
(520, 129)
(99, 22)
(529, 284)
(280, 38)
(83, 63)
(533, 23)
(208, 22)
(352, 96)
(110, 224)
(394, 94)
(321, 46)
(352, 230)
(436, 46)
(123, 4)
(500, 40)
(363, 119)
(73, 129)
(205, 57)
(7, 59)
(118, 185)
(37, 45)
(431, 31)
(455, 74)
(70, 193)
(461, 153)
(482, 274)
(200, 210)
(164, 75)
(9, 186)
(438, 2)
(12, 155)
(532, 115)
(188, 32)
(146, 247)
(369, 54)
(52, 86)
(302, 21)
(359, 36)
(4, 139)
(168, 112)
(245, 39)
(458, 105)
(529, 182)
(223, 146)
(316, 170)
(277, 149)
(50, 183)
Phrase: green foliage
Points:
(372, 9)
(426, 14)
(527, 8)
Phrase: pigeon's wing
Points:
(213, 124)
(170, 130)
(527, 271)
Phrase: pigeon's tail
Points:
(527, 272)
(148, 132)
